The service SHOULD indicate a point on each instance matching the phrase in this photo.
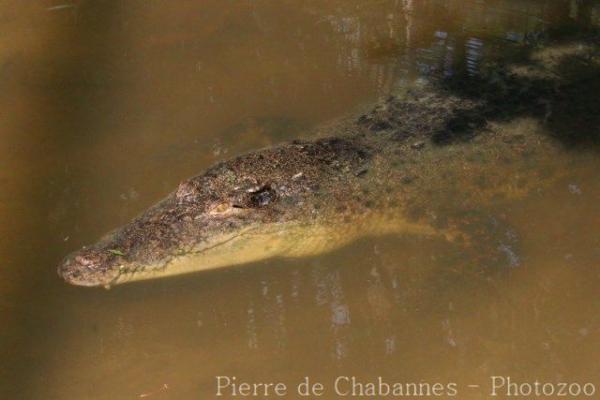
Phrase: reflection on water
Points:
(107, 106)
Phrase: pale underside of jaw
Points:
(250, 245)
(221, 251)
(257, 243)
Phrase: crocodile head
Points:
(260, 205)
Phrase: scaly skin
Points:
(387, 171)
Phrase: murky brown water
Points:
(106, 106)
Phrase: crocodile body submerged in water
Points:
(417, 162)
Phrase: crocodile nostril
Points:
(81, 260)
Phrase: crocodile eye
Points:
(262, 197)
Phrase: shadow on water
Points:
(500, 69)
(565, 98)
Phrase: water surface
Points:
(108, 105)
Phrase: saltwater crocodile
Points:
(418, 162)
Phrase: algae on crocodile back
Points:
(422, 162)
